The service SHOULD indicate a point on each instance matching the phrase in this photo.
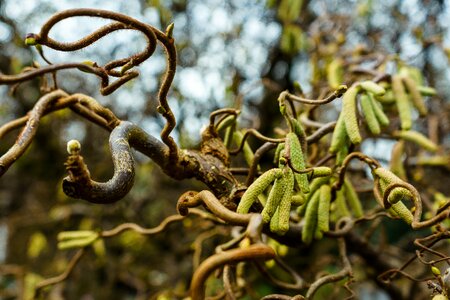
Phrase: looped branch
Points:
(336, 94)
(29, 131)
(79, 184)
(362, 157)
(253, 252)
(193, 199)
(125, 74)
(123, 22)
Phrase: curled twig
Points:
(193, 199)
(79, 184)
(362, 157)
(336, 94)
(29, 131)
(145, 231)
(253, 252)
(63, 276)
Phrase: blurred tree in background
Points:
(243, 55)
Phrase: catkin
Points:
(275, 195)
(298, 199)
(315, 186)
(285, 203)
(321, 172)
(78, 234)
(402, 211)
(298, 161)
(276, 157)
(297, 128)
(256, 188)
(427, 91)
(418, 138)
(323, 215)
(379, 113)
(398, 194)
(369, 114)
(340, 205)
(353, 199)
(398, 209)
(416, 97)
(372, 87)
(309, 227)
(335, 73)
(403, 104)
(350, 114)
(339, 135)
(274, 222)
(396, 163)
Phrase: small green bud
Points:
(73, 147)
(88, 63)
(30, 39)
(340, 90)
(436, 271)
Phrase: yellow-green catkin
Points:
(386, 175)
(339, 135)
(415, 96)
(388, 98)
(76, 239)
(335, 73)
(369, 114)
(77, 234)
(298, 161)
(398, 209)
(396, 163)
(297, 128)
(315, 186)
(274, 222)
(342, 153)
(256, 188)
(418, 138)
(349, 112)
(398, 194)
(340, 206)
(323, 214)
(309, 227)
(402, 212)
(427, 91)
(275, 195)
(285, 203)
(320, 172)
(372, 87)
(298, 199)
(276, 157)
(403, 104)
(378, 110)
(353, 199)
